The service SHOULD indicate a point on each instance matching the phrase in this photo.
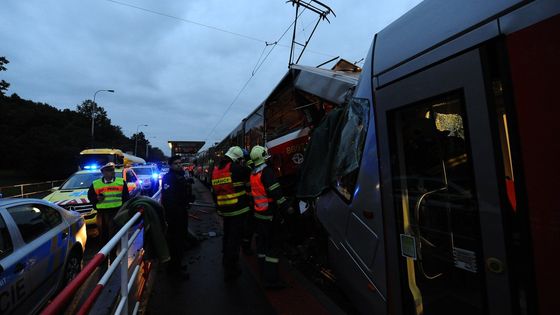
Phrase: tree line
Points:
(42, 142)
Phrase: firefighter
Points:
(230, 188)
(107, 194)
(270, 206)
(175, 197)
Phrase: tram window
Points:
(348, 153)
(291, 110)
(434, 194)
(254, 129)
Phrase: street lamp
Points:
(93, 113)
(136, 138)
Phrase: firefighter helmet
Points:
(235, 153)
(259, 155)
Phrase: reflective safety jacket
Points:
(113, 193)
(266, 192)
(230, 191)
(258, 192)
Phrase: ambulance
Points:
(72, 194)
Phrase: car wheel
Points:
(73, 267)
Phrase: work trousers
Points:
(269, 241)
(107, 228)
(231, 241)
(177, 227)
(249, 230)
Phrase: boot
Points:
(271, 277)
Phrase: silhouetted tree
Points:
(43, 142)
(86, 109)
(3, 84)
(156, 155)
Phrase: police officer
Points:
(270, 206)
(230, 188)
(107, 195)
(175, 197)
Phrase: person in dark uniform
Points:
(230, 189)
(175, 197)
(107, 195)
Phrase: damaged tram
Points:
(444, 183)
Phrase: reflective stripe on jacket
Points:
(258, 191)
(228, 193)
(113, 193)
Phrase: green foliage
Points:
(3, 84)
(87, 107)
(156, 155)
(44, 142)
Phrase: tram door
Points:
(442, 199)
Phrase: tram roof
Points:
(328, 84)
(431, 24)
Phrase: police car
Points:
(149, 177)
(72, 194)
(41, 250)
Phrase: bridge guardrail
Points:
(24, 190)
(60, 302)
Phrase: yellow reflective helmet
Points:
(234, 153)
(259, 155)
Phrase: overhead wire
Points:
(257, 65)
(255, 70)
(206, 25)
(186, 20)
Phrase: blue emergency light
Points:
(155, 175)
(91, 167)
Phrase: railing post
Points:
(21, 189)
(124, 273)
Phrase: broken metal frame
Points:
(315, 6)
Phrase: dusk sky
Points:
(168, 70)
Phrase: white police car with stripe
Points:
(41, 250)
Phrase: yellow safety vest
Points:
(112, 192)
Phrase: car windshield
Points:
(80, 181)
(143, 171)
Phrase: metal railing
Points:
(24, 190)
(60, 302)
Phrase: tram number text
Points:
(295, 148)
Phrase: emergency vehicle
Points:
(91, 159)
(41, 250)
(72, 194)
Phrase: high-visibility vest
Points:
(112, 192)
(258, 191)
(228, 193)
